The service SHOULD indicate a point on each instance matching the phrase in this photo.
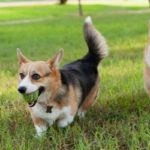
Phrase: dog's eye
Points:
(22, 75)
(36, 76)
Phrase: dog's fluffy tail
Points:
(147, 49)
(95, 41)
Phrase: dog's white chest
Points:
(50, 117)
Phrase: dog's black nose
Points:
(22, 89)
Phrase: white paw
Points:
(41, 130)
(81, 114)
(64, 122)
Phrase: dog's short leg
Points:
(65, 121)
(81, 113)
(89, 101)
(40, 130)
(40, 125)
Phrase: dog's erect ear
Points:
(54, 62)
(21, 58)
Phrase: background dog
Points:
(63, 92)
(147, 64)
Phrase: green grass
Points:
(121, 117)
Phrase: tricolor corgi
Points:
(64, 92)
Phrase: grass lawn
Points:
(121, 117)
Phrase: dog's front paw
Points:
(41, 130)
(64, 122)
(81, 114)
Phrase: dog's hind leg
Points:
(89, 100)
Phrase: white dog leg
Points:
(40, 130)
(65, 121)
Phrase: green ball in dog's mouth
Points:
(30, 98)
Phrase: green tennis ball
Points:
(29, 98)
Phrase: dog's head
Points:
(38, 75)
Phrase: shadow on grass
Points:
(119, 108)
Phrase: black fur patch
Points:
(80, 73)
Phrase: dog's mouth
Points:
(40, 91)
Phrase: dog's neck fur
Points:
(61, 93)
(54, 96)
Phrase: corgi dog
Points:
(147, 64)
(64, 92)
